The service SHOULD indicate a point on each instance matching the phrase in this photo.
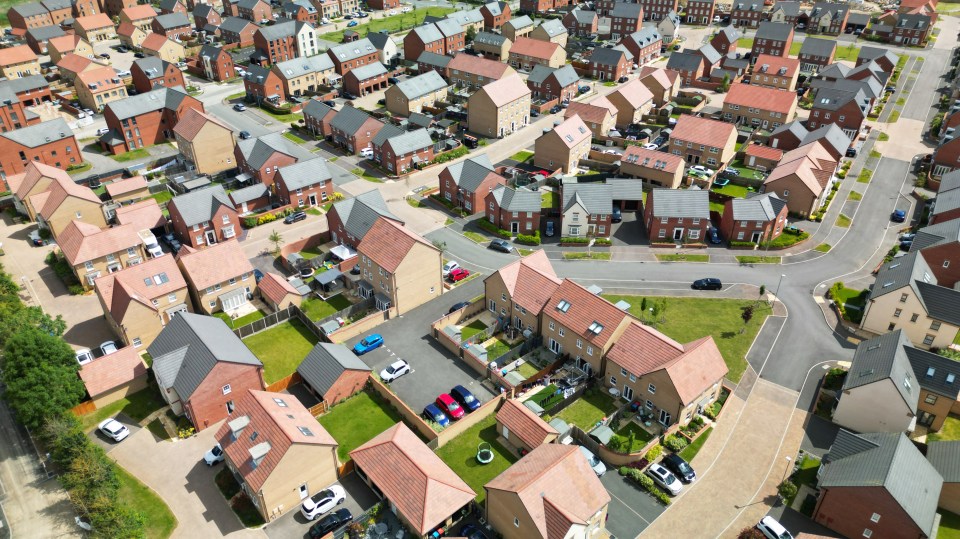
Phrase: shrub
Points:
(647, 483)
(618, 443)
(602, 241)
(250, 222)
(451, 155)
(492, 228)
(529, 240)
(575, 241)
(675, 443)
(742, 244)
(266, 218)
(653, 453)
(787, 490)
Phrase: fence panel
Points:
(84, 408)
(264, 323)
(284, 383)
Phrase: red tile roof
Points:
(128, 185)
(60, 191)
(142, 11)
(594, 112)
(572, 131)
(143, 214)
(664, 77)
(556, 486)
(649, 158)
(636, 93)
(811, 163)
(484, 67)
(16, 55)
(193, 121)
(534, 48)
(582, 310)
(216, 264)
(524, 424)
(692, 368)
(275, 288)
(128, 285)
(530, 281)
(103, 77)
(112, 371)
(65, 43)
(506, 90)
(82, 242)
(387, 243)
(420, 485)
(775, 63)
(74, 63)
(153, 42)
(127, 29)
(35, 172)
(759, 97)
(93, 22)
(277, 425)
(704, 131)
(764, 152)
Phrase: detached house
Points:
(261, 158)
(563, 146)
(757, 219)
(600, 115)
(467, 183)
(146, 119)
(828, 18)
(773, 38)
(398, 268)
(644, 44)
(202, 368)
(526, 53)
(256, 11)
(351, 55)
(151, 72)
(548, 83)
(411, 95)
(690, 66)
(550, 30)
(350, 219)
(291, 456)
(632, 100)
(725, 41)
(776, 72)
(129, 35)
(220, 277)
(140, 300)
(609, 64)
(205, 141)
(400, 152)
(163, 47)
(204, 217)
(495, 14)
(759, 107)
(93, 28)
(237, 30)
(580, 22)
(499, 108)
(703, 141)
(317, 117)
(517, 212)
(677, 215)
(664, 84)
(354, 129)
(304, 75)
(92, 251)
(816, 53)
(803, 178)
(426, 38)
(943, 456)
(586, 209)
(305, 183)
(940, 246)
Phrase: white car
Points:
(773, 529)
(114, 429)
(323, 501)
(701, 170)
(406, 9)
(213, 456)
(663, 477)
(650, 146)
(84, 356)
(395, 370)
(598, 467)
(366, 153)
(393, 12)
(103, 131)
(611, 152)
(108, 348)
(448, 267)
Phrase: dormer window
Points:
(257, 454)
(563, 306)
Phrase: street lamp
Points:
(777, 293)
(789, 459)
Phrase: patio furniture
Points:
(484, 453)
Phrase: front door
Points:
(926, 419)
(627, 392)
(211, 237)
(756, 237)
(678, 234)
(515, 227)
(304, 493)
(313, 200)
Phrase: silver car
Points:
(598, 466)
(665, 479)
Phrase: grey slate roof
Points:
(912, 270)
(829, 135)
(646, 36)
(9, 88)
(428, 33)
(29, 10)
(521, 200)
(317, 109)
(565, 76)
(495, 8)
(833, 9)
(945, 457)
(369, 71)
(350, 51)
(280, 30)
(626, 10)
(433, 59)
(777, 31)
(584, 16)
(294, 6)
(247, 4)
(889, 460)
(39, 134)
(731, 33)
(303, 66)
(606, 57)
(325, 363)
(409, 141)
(946, 201)
(790, 9)
(379, 40)
(681, 203)
(45, 33)
(760, 207)
(883, 358)
(203, 10)
(553, 27)
(938, 234)
(795, 127)
(306, 173)
(941, 302)
(53, 5)
(157, 99)
(871, 87)
(234, 25)
(936, 373)
(815, 46)
(466, 16)
(349, 119)
(198, 206)
(169, 5)
(684, 61)
(626, 188)
(470, 173)
(256, 151)
(421, 85)
(519, 23)
(874, 53)
(858, 19)
(948, 182)
(359, 213)
(489, 38)
(172, 20)
(386, 132)
(152, 66)
(710, 54)
(256, 74)
(246, 194)
(913, 21)
(596, 198)
(449, 27)
(190, 346)
(829, 98)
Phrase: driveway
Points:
(408, 337)
(631, 508)
(293, 524)
(108, 444)
(177, 473)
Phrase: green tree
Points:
(747, 316)
(471, 34)
(40, 372)
(64, 438)
(110, 519)
(276, 239)
(763, 290)
(15, 318)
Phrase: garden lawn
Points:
(948, 432)
(158, 520)
(316, 308)
(527, 370)
(550, 199)
(683, 258)
(357, 420)
(391, 24)
(281, 348)
(717, 207)
(311, 253)
(522, 156)
(286, 118)
(588, 410)
(162, 197)
(786, 240)
(139, 153)
(689, 319)
(640, 436)
(460, 454)
(234, 323)
(472, 329)
(730, 189)
(136, 406)
(691, 450)
(949, 522)
(497, 349)
(749, 259)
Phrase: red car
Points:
(459, 274)
(449, 406)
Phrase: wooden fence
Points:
(285, 383)
(365, 324)
(410, 417)
(84, 408)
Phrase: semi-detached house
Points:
(354, 130)
(526, 53)
(260, 158)
(220, 277)
(351, 55)
(92, 251)
(411, 95)
(516, 211)
(400, 152)
(204, 217)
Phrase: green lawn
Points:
(281, 348)
(238, 95)
(524, 252)
(948, 432)
(475, 237)
(550, 199)
(843, 221)
(786, 240)
(77, 169)
(498, 348)
(683, 258)
(744, 171)
(691, 450)
(139, 153)
(162, 197)
(640, 436)
(392, 24)
(853, 195)
(159, 521)
(749, 259)
(316, 308)
(689, 319)
(527, 370)
(588, 410)
(311, 253)
(949, 526)
(460, 454)
(136, 406)
(239, 322)
(356, 420)
(737, 191)
(717, 207)
(290, 135)
(848, 53)
(823, 248)
(864, 176)
(522, 156)
(807, 474)
(586, 256)
(286, 118)
(472, 329)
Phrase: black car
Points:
(244, 135)
(331, 522)
(712, 234)
(457, 306)
(710, 283)
(94, 184)
(556, 109)
(501, 245)
(330, 103)
(121, 48)
(104, 55)
(679, 467)
(139, 55)
(616, 216)
(393, 80)
(294, 217)
(851, 152)
(624, 79)
(472, 531)
(534, 113)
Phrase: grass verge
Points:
(586, 256)
(864, 176)
(158, 520)
(843, 221)
(823, 248)
(683, 258)
(392, 24)
(136, 406)
(750, 259)
(476, 237)
(853, 195)
(522, 156)
(691, 450)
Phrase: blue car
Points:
(465, 398)
(372, 342)
(433, 413)
(898, 216)
(714, 237)
(351, 24)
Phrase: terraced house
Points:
(354, 129)
(776, 72)
(304, 75)
(220, 277)
(466, 70)
(519, 291)
(18, 61)
(350, 55)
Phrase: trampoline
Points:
(484, 453)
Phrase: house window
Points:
(137, 343)
(786, 193)
(579, 343)
(516, 522)
(913, 318)
(930, 399)
(589, 350)
(155, 303)
(552, 326)
(928, 339)
(903, 298)
(633, 378)
(649, 405)
(561, 332)
(226, 389)
(875, 518)
(652, 389)
(212, 304)
(868, 533)
(896, 314)
(613, 380)
(935, 326)
(623, 371)
(946, 263)
(171, 298)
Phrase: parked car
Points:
(650, 146)
(172, 241)
(898, 216)
(434, 414)
(363, 15)
(294, 217)
(623, 79)
(244, 135)
(114, 429)
(710, 283)
(448, 267)
(331, 522)
(549, 231)
(449, 406)
(679, 467)
(472, 531)
(84, 356)
(393, 80)
(323, 501)
(368, 344)
(213, 456)
(121, 48)
(773, 529)
(348, 16)
(457, 306)
(108, 347)
(534, 113)
(465, 398)
(366, 153)
(712, 234)
(257, 275)
(459, 274)
(330, 103)
(616, 216)
(555, 109)
(351, 24)
(907, 237)
(851, 152)
(701, 170)
(394, 370)
(501, 245)
(598, 466)
(104, 55)
(664, 479)
(240, 107)
(905, 245)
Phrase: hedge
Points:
(602, 241)
(749, 244)
(675, 443)
(637, 476)
(493, 229)
(529, 240)
(575, 241)
(451, 155)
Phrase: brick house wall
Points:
(196, 237)
(655, 10)
(527, 222)
(580, 29)
(278, 50)
(665, 230)
(60, 153)
(172, 77)
(322, 191)
(266, 173)
(151, 127)
(259, 12)
(944, 261)
(746, 17)
(208, 403)
(535, 6)
(551, 89)
(700, 11)
(400, 164)
(171, 33)
(363, 138)
(338, 233)
(17, 20)
(492, 22)
(852, 117)
(321, 127)
(608, 72)
(771, 47)
(244, 37)
(349, 383)
(945, 216)
(343, 68)
(220, 68)
(624, 26)
(413, 46)
(848, 510)
(270, 85)
(722, 44)
(733, 230)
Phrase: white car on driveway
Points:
(323, 501)
(598, 466)
(84, 356)
(395, 370)
(650, 146)
(114, 429)
(701, 170)
(448, 267)
(665, 479)
(213, 456)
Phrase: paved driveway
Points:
(293, 524)
(108, 444)
(435, 370)
(631, 508)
